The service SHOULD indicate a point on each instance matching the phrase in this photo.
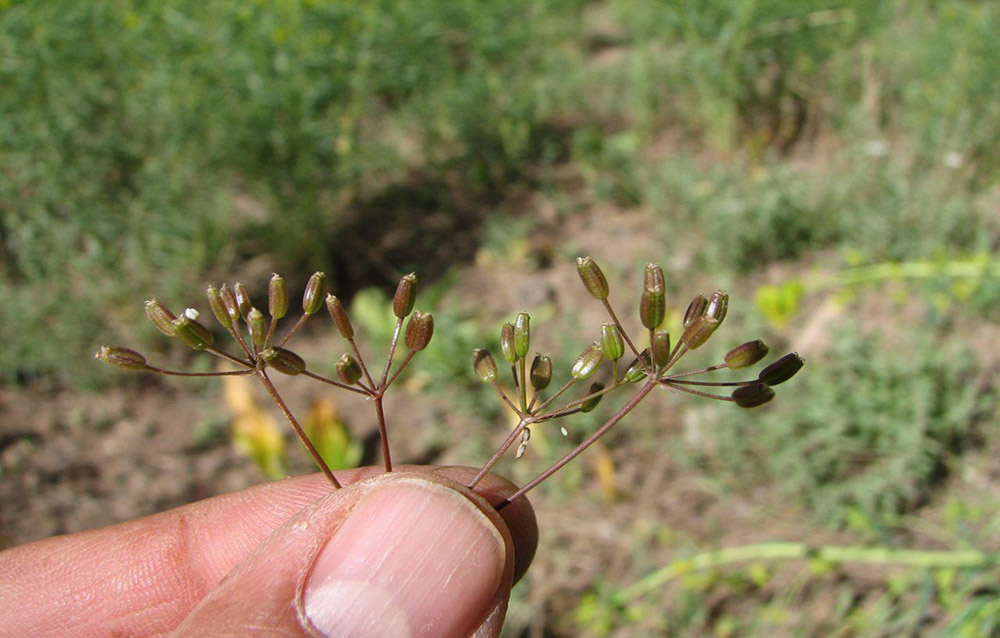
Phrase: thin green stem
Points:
(690, 373)
(266, 382)
(361, 360)
(523, 385)
(270, 332)
(957, 559)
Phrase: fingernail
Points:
(414, 559)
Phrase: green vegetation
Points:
(822, 154)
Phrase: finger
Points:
(413, 555)
(143, 577)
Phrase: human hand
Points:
(410, 554)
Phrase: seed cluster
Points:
(648, 369)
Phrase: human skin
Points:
(412, 553)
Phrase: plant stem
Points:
(958, 559)
(298, 428)
(226, 355)
(690, 373)
(361, 360)
(338, 384)
(707, 395)
(181, 373)
(523, 423)
(590, 440)
(506, 399)
(383, 433)
(295, 328)
(392, 353)
(409, 356)
(621, 328)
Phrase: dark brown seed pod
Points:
(592, 277)
(277, 296)
(541, 372)
(588, 362)
(695, 309)
(348, 369)
(419, 330)
(746, 354)
(193, 333)
(507, 342)
(161, 317)
(753, 395)
(312, 298)
(121, 357)
(781, 370)
(484, 365)
(283, 361)
(592, 402)
(405, 297)
(218, 307)
(242, 299)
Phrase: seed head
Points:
(611, 342)
(507, 342)
(160, 316)
(753, 395)
(588, 361)
(340, 318)
(541, 372)
(348, 369)
(277, 297)
(592, 402)
(638, 368)
(218, 307)
(698, 332)
(746, 354)
(406, 295)
(484, 365)
(231, 304)
(283, 361)
(255, 321)
(592, 277)
(419, 330)
(652, 277)
(718, 306)
(695, 309)
(652, 307)
(660, 348)
(781, 370)
(121, 357)
(522, 334)
(312, 298)
(242, 299)
(192, 332)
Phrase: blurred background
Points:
(832, 164)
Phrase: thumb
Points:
(411, 555)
